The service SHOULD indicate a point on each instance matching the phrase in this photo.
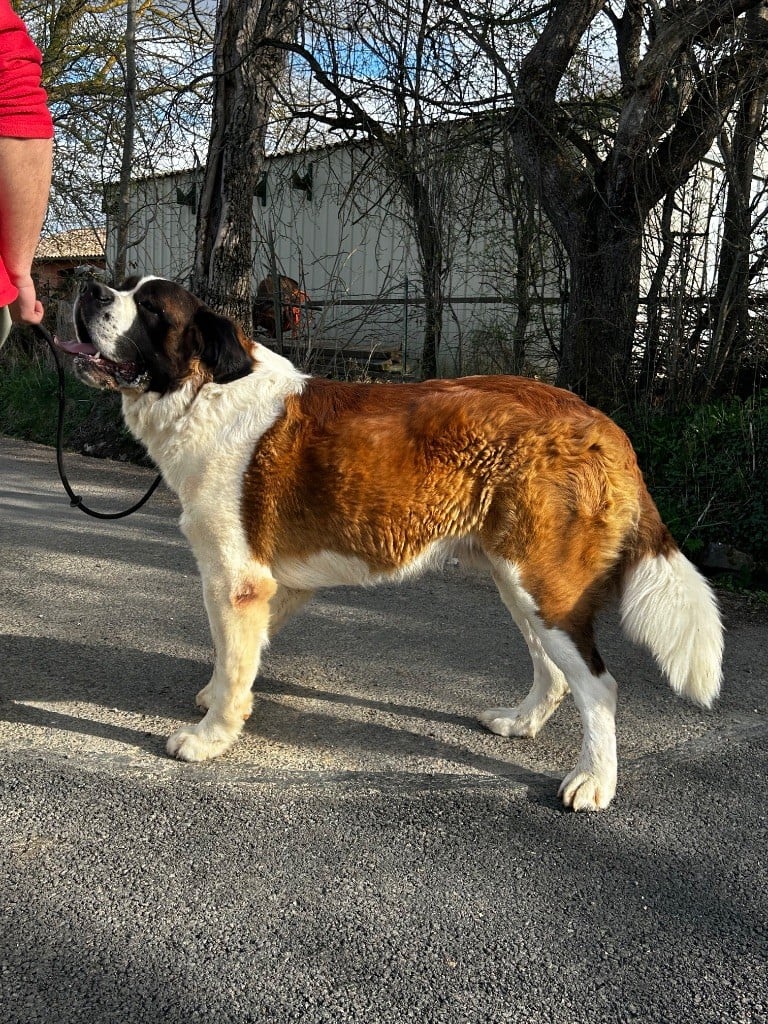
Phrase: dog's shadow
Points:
(367, 731)
(41, 674)
(43, 678)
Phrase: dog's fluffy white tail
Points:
(667, 606)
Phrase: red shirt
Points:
(24, 112)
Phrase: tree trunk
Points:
(524, 234)
(652, 340)
(129, 134)
(245, 74)
(433, 329)
(602, 310)
(429, 239)
(430, 252)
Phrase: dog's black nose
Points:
(96, 292)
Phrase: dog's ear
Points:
(216, 340)
(128, 284)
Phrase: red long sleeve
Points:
(24, 112)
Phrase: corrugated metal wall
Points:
(346, 241)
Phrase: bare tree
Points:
(389, 73)
(126, 100)
(246, 72)
(129, 137)
(601, 164)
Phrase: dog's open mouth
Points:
(95, 369)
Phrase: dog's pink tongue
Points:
(75, 348)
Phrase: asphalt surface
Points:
(366, 853)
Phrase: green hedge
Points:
(707, 469)
(29, 401)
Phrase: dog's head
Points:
(153, 335)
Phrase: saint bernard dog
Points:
(289, 483)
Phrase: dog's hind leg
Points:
(570, 660)
(592, 784)
(285, 602)
(239, 617)
(545, 696)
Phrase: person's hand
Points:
(27, 308)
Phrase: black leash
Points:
(75, 500)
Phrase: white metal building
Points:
(336, 225)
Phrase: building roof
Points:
(296, 150)
(78, 244)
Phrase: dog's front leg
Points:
(285, 602)
(239, 619)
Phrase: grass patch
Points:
(29, 405)
(29, 408)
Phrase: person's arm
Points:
(25, 181)
(26, 129)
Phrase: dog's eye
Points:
(149, 306)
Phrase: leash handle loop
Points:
(75, 500)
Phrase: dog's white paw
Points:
(509, 722)
(196, 743)
(586, 791)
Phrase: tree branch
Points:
(696, 128)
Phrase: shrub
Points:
(29, 401)
(707, 469)
(29, 407)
